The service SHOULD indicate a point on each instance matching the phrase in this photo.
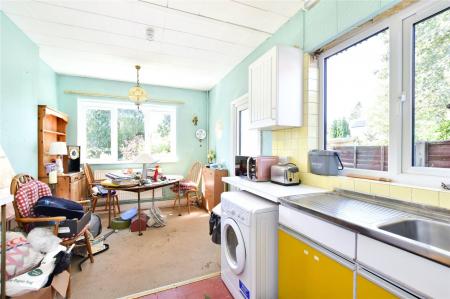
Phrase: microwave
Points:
(254, 168)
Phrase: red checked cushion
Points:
(185, 185)
(27, 196)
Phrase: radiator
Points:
(100, 174)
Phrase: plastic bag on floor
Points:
(20, 255)
(35, 279)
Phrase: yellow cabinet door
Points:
(307, 273)
(366, 289)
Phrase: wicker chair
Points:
(92, 183)
(190, 186)
(22, 180)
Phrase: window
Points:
(110, 132)
(431, 91)
(356, 89)
(247, 141)
(386, 96)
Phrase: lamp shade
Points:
(57, 148)
(144, 158)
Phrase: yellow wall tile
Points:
(379, 189)
(362, 186)
(444, 199)
(400, 193)
(347, 183)
(425, 196)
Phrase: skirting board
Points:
(170, 286)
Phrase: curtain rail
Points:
(112, 96)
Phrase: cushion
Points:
(27, 196)
(185, 185)
(55, 206)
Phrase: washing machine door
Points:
(234, 246)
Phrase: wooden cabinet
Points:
(52, 126)
(70, 186)
(212, 186)
(307, 272)
(275, 89)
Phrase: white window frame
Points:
(238, 105)
(408, 86)
(113, 106)
(399, 97)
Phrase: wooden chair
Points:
(22, 179)
(190, 186)
(91, 182)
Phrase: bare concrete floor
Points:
(179, 251)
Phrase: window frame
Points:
(408, 83)
(399, 97)
(236, 106)
(84, 104)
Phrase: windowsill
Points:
(412, 180)
(166, 161)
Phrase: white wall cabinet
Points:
(276, 89)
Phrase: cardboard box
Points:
(71, 227)
(57, 290)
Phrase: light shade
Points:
(57, 148)
(137, 94)
(144, 158)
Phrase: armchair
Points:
(27, 191)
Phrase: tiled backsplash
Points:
(295, 144)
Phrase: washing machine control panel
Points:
(236, 213)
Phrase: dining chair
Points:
(94, 186)
(190, 186)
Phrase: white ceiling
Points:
(196, 42)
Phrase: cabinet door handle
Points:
(316, 258)
(306, 252)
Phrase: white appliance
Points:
(249, 245)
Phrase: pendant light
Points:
(137, 94)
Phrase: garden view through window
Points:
(431, 91)
(109, 132)
(357, 103)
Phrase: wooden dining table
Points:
(170, 180)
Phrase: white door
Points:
(234, 246)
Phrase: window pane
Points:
(98, 134)
(161, 132)
(357, 103)
(130, 133)
(248, 139)
(431, 94)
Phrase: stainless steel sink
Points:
(429, 232)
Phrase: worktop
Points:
(270, 191)
(365, 214)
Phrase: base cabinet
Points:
(306, 272)
(367, 289)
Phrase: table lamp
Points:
(144, 158)
(58, 149)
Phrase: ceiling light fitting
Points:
(137, 94)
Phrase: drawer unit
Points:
(329, 235)
(420, 275)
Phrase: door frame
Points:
(237, 105)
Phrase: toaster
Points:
(285, 174)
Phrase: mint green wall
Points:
(188, 147)
(308, 30)
(234, 85)
(330, 18)
(25, 82)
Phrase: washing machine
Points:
(249, 245)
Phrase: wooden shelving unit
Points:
(52, 126)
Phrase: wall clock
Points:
(201, 135)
